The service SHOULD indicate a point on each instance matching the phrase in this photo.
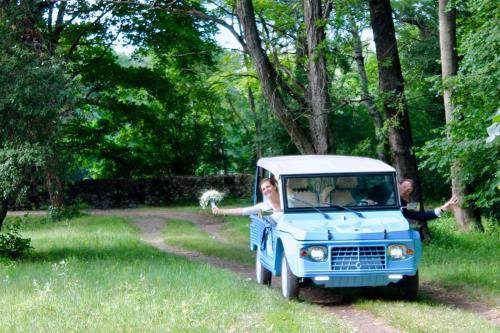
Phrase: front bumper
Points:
(358, 265)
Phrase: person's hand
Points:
(216, 210)
(452, 202)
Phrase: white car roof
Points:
(320, 164)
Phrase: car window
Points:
(363, 190)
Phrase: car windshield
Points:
(339, 191)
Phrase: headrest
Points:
(347, 183)
(297, 183)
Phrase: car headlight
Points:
(314, 253)
(397, 252)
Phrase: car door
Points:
(263, 238)
(262, 227)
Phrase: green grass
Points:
(463, 261)
(93, 274)
(98, 265)
(425, 317)
(235, 229)
(187, 235)
(466, 263)
(193, 207)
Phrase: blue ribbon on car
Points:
(268, 231)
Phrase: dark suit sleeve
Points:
(420, 216)
(416, 215)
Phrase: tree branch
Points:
(80, 35)
(327, 10)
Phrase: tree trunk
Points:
(4, 205)
(449, 67)
(317, 76)
(55, 187)
(269, 79)
(257, 120)
(54, 178)
(366, 97)
(391, 84)
(257, 123)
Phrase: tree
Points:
(392, 87)
(148, 114)
(475, 98)
(252, 131)
(366, 97)
(449, 64)
(273, 86)
(319, 103)
(315, 102)
(35, 99)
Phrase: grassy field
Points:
(187, 235)
(93, 274)
(464, 263)
(468, 262)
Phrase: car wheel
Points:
(289, 282)
(408, 287)
(262, 274)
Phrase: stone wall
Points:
(124, 193)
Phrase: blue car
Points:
(341, 225)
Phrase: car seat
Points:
(299, 194)
(343, 193)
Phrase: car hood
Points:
(345, 226)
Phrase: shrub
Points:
(12, 245)
(65, 213)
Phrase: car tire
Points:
(408, 287)
(262, 275)
(289, 282)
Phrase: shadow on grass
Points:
(115, 253)
(349, 296)
(430, 297)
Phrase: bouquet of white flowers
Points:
(210, 197)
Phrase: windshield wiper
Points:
(325, 215)
(358, 214)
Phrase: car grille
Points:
(362, 258)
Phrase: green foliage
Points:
(246, 132)
(17, 165)
(65, 213)
(150, 113)
(36, 94)
(475, 97)
(418, 45)
(36, 99)
(180, 105)
(12, 245)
